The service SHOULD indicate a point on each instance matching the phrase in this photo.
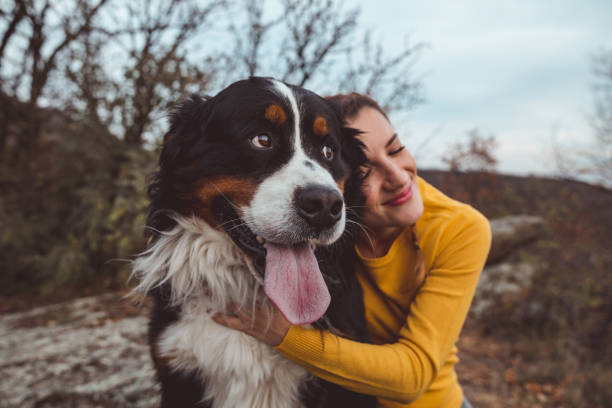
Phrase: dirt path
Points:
(481, 371)
(490, 374)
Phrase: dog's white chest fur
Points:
(239, 370)
(207, 272)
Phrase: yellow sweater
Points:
(414, 330)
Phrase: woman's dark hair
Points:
(349, 105)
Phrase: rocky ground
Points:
(92, 352)
(88, 353)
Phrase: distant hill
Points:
(497, 195)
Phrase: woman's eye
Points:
(364, 173)
(262, 141)
(328, 152)
(396, 151)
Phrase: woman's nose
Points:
(395, 176)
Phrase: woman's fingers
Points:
(230, 321)
(240, 313)
(271, 329)
(248, 319)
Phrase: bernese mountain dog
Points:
(254, 204)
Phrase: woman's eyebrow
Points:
(390, 142)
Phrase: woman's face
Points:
(390, 185)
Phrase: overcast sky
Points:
(519, 69)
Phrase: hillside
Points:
(555, 335)
(546, 345)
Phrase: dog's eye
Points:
(328, 152)
(262, 141)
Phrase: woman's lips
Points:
(401, 198)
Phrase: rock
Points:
(505, 281)
(74, 354)
(510, 233)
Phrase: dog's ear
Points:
(187, 122)
(353, 153)
(353, 149)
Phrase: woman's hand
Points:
(257, 323)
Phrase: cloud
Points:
(518, 69)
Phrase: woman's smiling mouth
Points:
(401, 198)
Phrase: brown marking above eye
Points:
(239, 191)
(275, 114)
(340, 184)
(319, 126)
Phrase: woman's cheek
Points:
(365, 188)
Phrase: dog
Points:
(248, 208)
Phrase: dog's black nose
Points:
(320, 206)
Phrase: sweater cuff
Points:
(302, 343)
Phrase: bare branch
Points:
(159, 73)
(17, 15)
(69, 37)
(159, 53)
(250, 37)
(476, 154)
(594, 161)
(317, 29)
(386, 78)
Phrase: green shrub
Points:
(72, 211)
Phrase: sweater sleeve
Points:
(403, 370)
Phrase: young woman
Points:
(419, 266)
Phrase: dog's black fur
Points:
(206, 140)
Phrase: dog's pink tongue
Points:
(294, 283)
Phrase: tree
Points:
(56, 51)
(593, 161)
(150, 41)
(476, 154)
(40, 33)
(47, 33)
(475, 157)
(600, 157)
(122, 64)
(86, 84)
(158, 70)
(318, 44)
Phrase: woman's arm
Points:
(404, 370)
